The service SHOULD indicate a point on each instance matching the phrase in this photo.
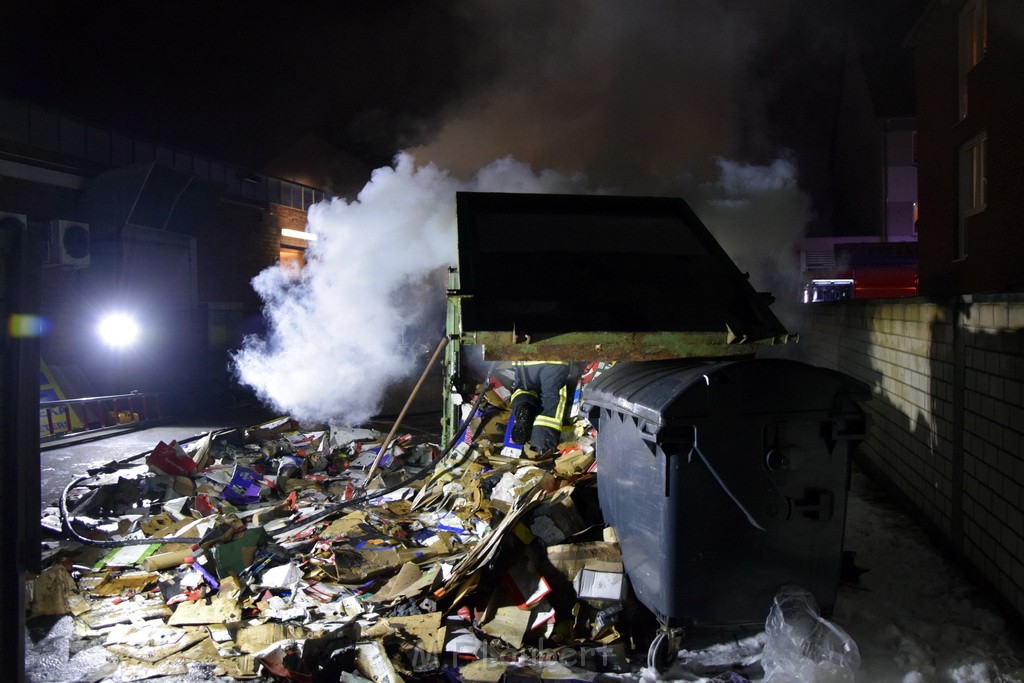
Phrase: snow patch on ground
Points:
(913, 614)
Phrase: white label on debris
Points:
(599, 585)
(374, 664)
(353, 607)
(282, 576)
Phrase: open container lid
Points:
(573, 277)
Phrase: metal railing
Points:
(76, 416)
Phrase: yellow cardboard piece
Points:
(157, 524)
(509, 623)
(125, 582)
(377, 630)
(54, 592)
(136, 670)
(343, 525)
(442, 544)
(571, 558)
(261, 636)
(484, 671)
(268, 514)
(184, 486)
(399, 508)
(423, 628)
(398, 586)
(222, 609)
(573, 463)
(138, 607)
(523, 533)
(493, 429)
(357, 566)
(172, 555)
(179, 639)
(240, 668)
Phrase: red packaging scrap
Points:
(170, 458)
(205, 506)
(524, 587)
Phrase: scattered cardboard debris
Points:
(252, 639)
(222, 608)
(115, 611)
(296, 564)
(54, 592)
(509, 623)
(484, 671)
(373, 662)
(154, 643)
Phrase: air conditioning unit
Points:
(13, 220)
(69, 243)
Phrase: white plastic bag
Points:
(802, 647)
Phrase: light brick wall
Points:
(947, 419)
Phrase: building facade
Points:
(969, 63)
(171, 237)
(871, 251)
(947, 368)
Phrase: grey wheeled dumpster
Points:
(725, 480)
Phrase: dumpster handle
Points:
(707, 463)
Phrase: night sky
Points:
(635, 95)
(241, 80)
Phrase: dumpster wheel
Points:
(664, 648)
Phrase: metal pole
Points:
(20, 530)
(405, 408)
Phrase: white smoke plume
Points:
(758, 214)
(357, 319)
(354, 321)
(657, 100)
(662, 99)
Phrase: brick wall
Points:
(995, 107)
(947, 418)
(237, 243)
(286, 217)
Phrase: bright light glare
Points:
(118, 330)
(299, 234)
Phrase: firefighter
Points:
(540, 401)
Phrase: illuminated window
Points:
(292, 259)
(973, 42)
(971, 187)
(293, 194)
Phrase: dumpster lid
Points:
(582, 276)
(674, 393)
